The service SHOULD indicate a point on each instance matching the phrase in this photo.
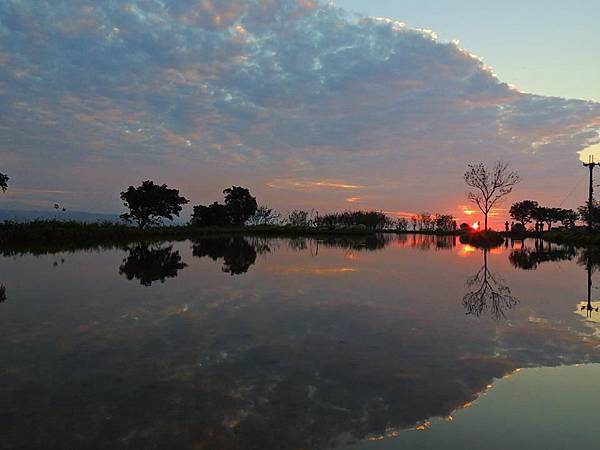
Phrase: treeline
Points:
(149, 204)
(530, 212)
(432, 222)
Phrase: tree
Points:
(591, 215)
(265, 216)
(489, 186)
(426, 220)
(523, 211)
(414, 220)
(444, 222)
(4, 182)
(299, 218)
(150, 203)
(569, 218)
(401, 224)
(240, 204)
(553, 215)
(214, 215)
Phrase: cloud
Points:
(311, 185)
(292, 87)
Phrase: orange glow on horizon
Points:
(475, 226)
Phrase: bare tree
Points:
(489, 186)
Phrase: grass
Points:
(56, 234)
(482, 239)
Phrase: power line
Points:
(575, 186)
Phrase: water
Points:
(251, 343)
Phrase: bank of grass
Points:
(50, 233)
(55, 234)
(482, 239)
(579, 237)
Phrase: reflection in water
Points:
(590, 258)
(2, 293)
(238, 253)
(426, 241)
(283, 359)
(588, 307)
(487, 293)
(148, 263)
(527, 258)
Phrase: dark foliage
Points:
(522, 212)
(482, 239)
(591, 215)
(371, 220)
(4, 182)
(150, 203)
(240, 205)
(214, 215)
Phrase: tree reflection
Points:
(530, 258)
(488, 293)
(149, 264)
(2, 293)
(238, 253)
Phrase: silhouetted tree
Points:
(401, 224)
(150, 203)
(444, 222)
(489, 186)
(3, 182)
(591, 216)
(414, 220)
(371, 220)
(148, 264)
(569, 218)
(522, 211)
(425, 221)
(299, 218)
(265, 216)
(214, 215)
(240, 204)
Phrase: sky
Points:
(306, 103)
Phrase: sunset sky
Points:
(307, 104)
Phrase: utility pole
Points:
(590, 165)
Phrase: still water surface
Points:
(388, 342)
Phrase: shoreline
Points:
(76, 234)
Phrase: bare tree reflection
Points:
(488, 293)
(2, 293)
(149, 264)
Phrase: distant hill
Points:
(19, 215)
